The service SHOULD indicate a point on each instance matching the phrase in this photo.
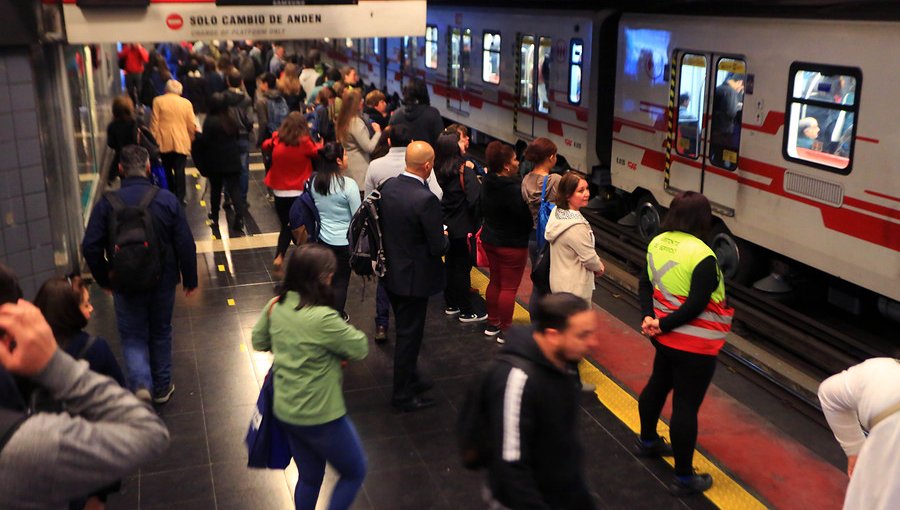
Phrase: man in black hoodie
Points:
(425, 122)
(240, 106)
(532, 404)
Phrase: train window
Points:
(576, 57)
(455, 50)
(465, 59)
(545, 51)
(431, 47)
(376, 50)
(526, 71)
(727, 113)
(820, 130)
(410, 52)
(691, 102)
(490, 58)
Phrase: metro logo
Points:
(174, 21)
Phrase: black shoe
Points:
(163, 397)
(412, 405)
(471, 317)
(380, 334)
(698, 483)
(659, 448)
(423, 385)
(491, 330)
(213, 217)
(451, 310)
(345, 316)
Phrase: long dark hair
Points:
(689, 212)
(448, 158)
(329, 169)
(306, 274)
(60, 302)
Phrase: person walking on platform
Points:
(507, 225)
(862, 406)
(352, 132)
(310, 340)
(292, 152)
(682, 295)
(337, 198)
(424, 120)
(173, 125)
(145, 295)
(240, 107)
(414, 242)
(460, 207)
(536, 458)
(218, 154)
(132, 58)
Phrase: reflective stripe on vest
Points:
(671, 260)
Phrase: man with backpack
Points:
(139, 245)
(240, 107)
(520, 420)
(271, 110)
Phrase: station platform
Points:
(760, 455)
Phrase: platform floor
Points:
(412, 458)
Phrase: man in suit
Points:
(414, 242)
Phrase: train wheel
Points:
(737, 258)
(647, 212)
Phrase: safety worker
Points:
(682, 295)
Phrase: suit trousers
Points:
(174, 164)
(409, 314)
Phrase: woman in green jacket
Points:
(309, 340)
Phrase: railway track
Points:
(801, 342)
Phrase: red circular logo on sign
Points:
(174, 21)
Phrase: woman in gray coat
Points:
(355, 136)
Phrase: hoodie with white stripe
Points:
(536, 460)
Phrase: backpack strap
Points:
(148, 197)
(544, 188)
(87, 346)
(114, 200)
(10, 421)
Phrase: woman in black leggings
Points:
(683, 301)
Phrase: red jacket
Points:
(291, 164)
(135, 58)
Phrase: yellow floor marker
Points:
(197, 186)
(203, 203)
(221, 268)
(243, 347)
(725, 493)
(230, 302)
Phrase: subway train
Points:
(787, 125)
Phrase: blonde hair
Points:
(350, 108)
(289, 82)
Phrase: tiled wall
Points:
(26, 244)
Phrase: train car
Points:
(788, 126)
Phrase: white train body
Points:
(834, 206)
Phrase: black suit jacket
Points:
(414, 240)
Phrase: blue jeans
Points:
(335, 442)
(145, 327)
(382, 306)
(244, 144)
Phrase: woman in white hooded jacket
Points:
(573, 258)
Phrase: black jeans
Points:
(409, 316)
(341, 279)
(232, 185)
(283, 209)
(174, 164)
(688, 375)
(458, 292)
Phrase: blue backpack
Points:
(305, 215)
(543, 216)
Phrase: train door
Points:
(707, 127)
(458, 69)
(532, 82)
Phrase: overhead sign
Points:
(187, 20)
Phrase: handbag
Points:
(267, 444)
(476, 249)
(540, 272)
(146, 140)
(543, 216)
(158, 175)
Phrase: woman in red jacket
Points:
(292, 152)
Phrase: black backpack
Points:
(134, 252)
(366, 243)
(473, 429)
(540, 272)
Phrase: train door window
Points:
(431, 47)
(576, 59)
(376, 50)
(526, 71)
(691, 105)
(490, 58)
(455, 50)
(545, 50)
(820, 130)
(465, 58)
(727, 113)
(410, 52)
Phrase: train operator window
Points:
(490, 58)
(431, 47)
(727, 113)
(576, 59)
(691, 102)
(545, 52)
(822, 105)
(526, 72)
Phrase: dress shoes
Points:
(380, 335)
(412, 405)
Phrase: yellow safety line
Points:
(725, 493)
